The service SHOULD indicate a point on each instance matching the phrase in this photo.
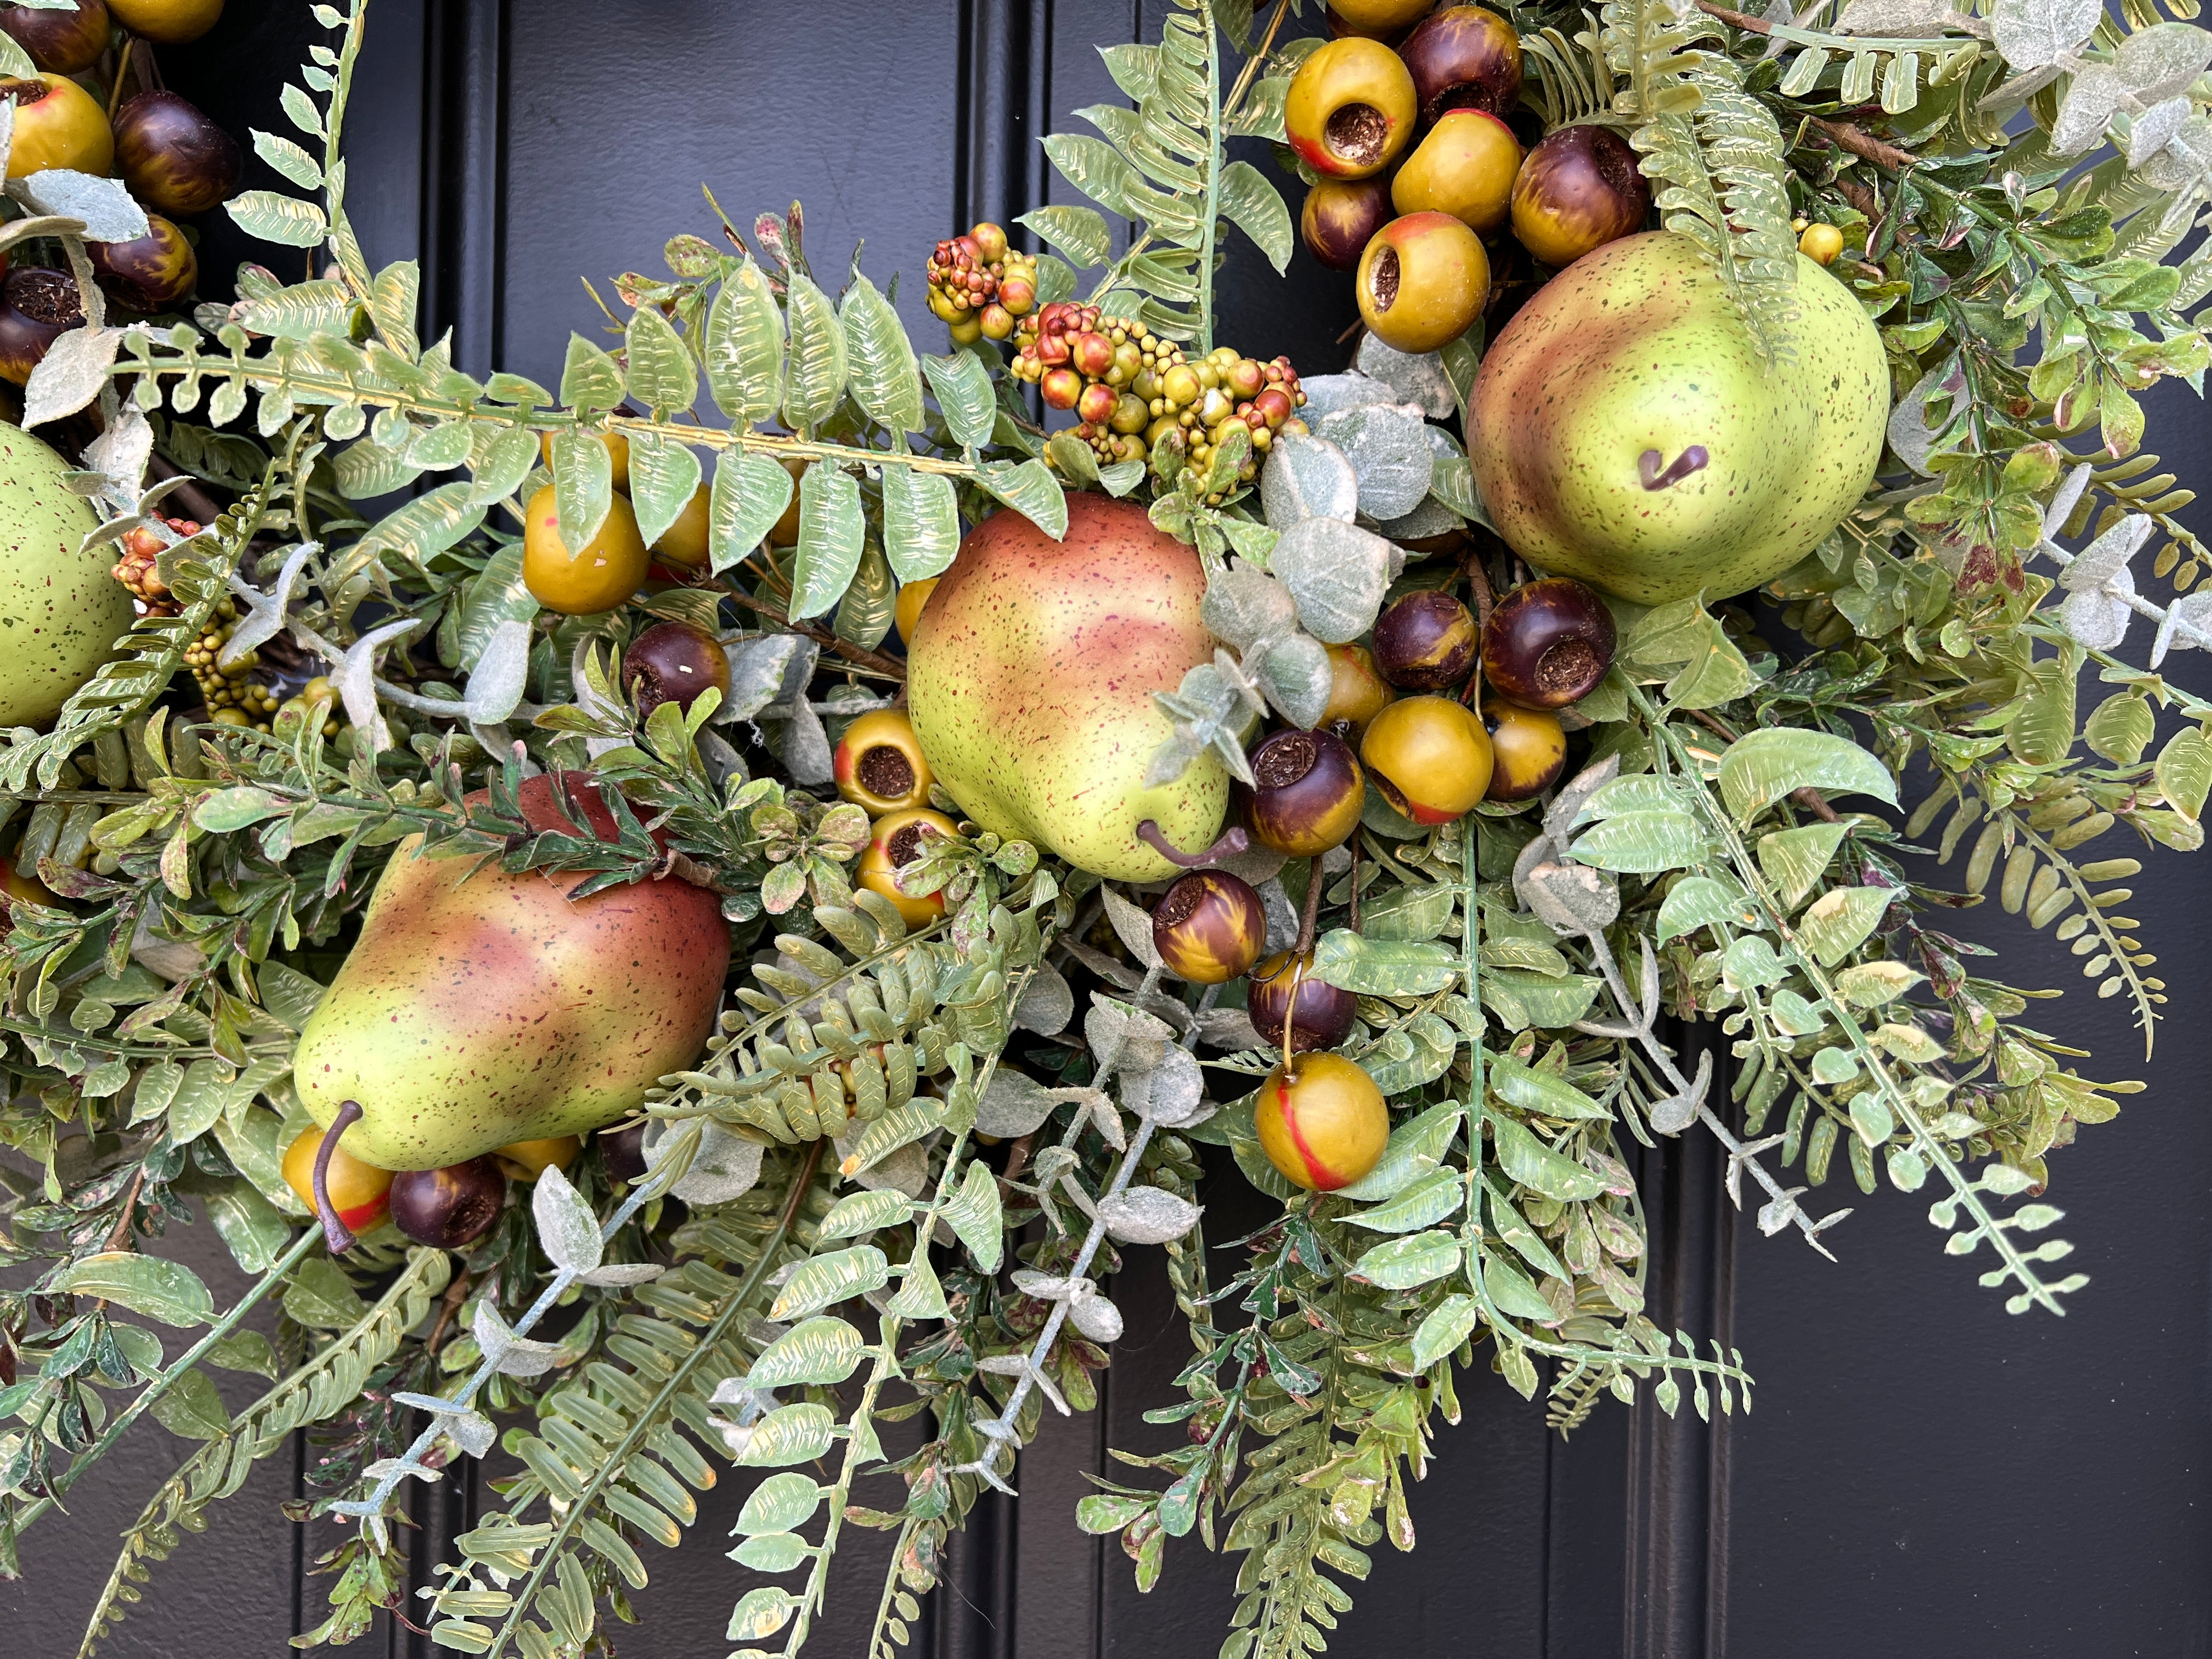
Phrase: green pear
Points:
(1628, 433)
(481, 1010)
(60, 610)
(1030, 678)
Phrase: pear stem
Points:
(1232, 842)
(334, 1230)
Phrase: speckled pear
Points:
(60, 611)
(1030, 678)
(475, 1013)
(1627, 433)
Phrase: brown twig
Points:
(1808, 798)
(1355, 881)
(1478, 580)
(1865, 145)
(122, 68)
(456, 1293)
(1315, 882)
(1736, 20)
(121, 1233)
(1017, 1159)
(890, 667)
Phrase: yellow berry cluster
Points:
(981, 287)
(1130, 388)
(232, 699)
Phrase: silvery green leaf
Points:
(104, 204)
(1229, 1029)
(1910, 434)
(70, 375)
(1120, 1034)
(663, 476)
(1389, 447)
(1337, 573)
(265, 614)
(1132, 925)
(772, 668)
(2098, 617)
(1565, 813)
(1307, 478)
(2032, 33)
(1013, 1104)
(1171, 1090)
(2188, 625)
(356, 681)
(2162, 61)
(802, 743)
(1900, 17)
(1046, 1003)
(621, 1275)
(568, 1232)
(278, 218)
(2155, 127)
(1092, 1314)
(1243, 606)
(1147, 1215)
(119, 454)
(1417, 379)
(1679, 1111)
(287, 158)
(1569, 898)
(1327, 393)
(496, 686)
(510, 1355)
(2108, 555)
(1297, 676)
(1431, 517)
(1282, 915)
(2091, 102)
(659, 370)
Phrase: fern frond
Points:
(319, 1390)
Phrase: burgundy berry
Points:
(1548, 643)
(1210, 927)
(1424, 642)
(1310, 788)
(450, 1207)
(1283, 986)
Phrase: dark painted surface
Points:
(1922, 1473)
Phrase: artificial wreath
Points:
(743, 1031)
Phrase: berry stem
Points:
(335, 1233)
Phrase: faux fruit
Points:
(1578, 189)
(1422, 282)
(896, 840)
(1282, 994)
(1029, 682)
(481, 1008)
(1821, 244)
(1528, 750)
(38, 306)
(674, 662)
(57, 124)
(448, 1207)
(174, 158)
(1465, 167)
(59, 610)
(361, 1192)
(978, 282)
(1548, 643)
(1627, 432)
(526, 1160)
(907, 612)
(617, 448)
(1356, 692)
(879, 763)
(1340, 217)
(684, 542)
(1350, 110)
(1307, 790)
(1210, 927)
(64, 40)
(149, 273)
(622, 1151)
(605, 573)
(168, 22)
(1322, 1121)
(1429, 757)
(1463, 57)
(1377, 17)
(1425, 641)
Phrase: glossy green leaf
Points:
(1698, 901)
(1512, 1293)
(1794, 861)
(857, 1213)
(1839, 920)
(1761, 767)
(974, 1215)
(1523, 1000)
(1031, 490)
(1256, 208)
(1449, 1323)
(1382, 968)
(773, 1552)
(590, 378)
(1533, 1164)
(921, 523)
(822, 1349)
(2184, 772)
(1644, 843)
(190, 1409)
(1417, 911)
(831, 533)
(1416, 1146)
(660, 372)
(783, 1503)
(965, 396)
(743, 347)
(815, 374)
(161, 1290)
(790, 1434)
(865, 613)
(828, 1279)
(663, 475)
(1400, 1264)
(751, 493)
(583, 487)
(1081, 233)
(1518, 1083)
(886, 381)
(1430, 1200)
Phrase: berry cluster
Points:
(1130, 388)
(980, 286)
(232, 699)
(136, 569)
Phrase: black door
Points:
(1923, 1474)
